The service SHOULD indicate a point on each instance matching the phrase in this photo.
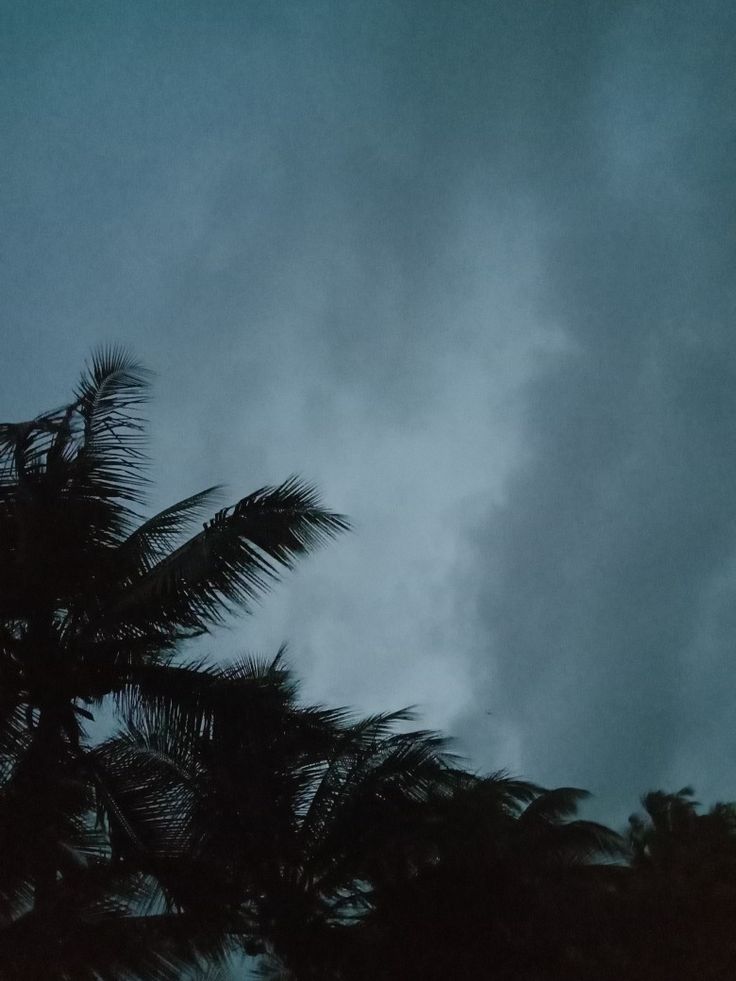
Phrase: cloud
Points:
(464, 264)
(621, 525)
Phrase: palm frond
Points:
(497, 793)
(111, 460)
(67, 480)
(245, 713)
(92, 930)
(145, 793)
(185, 699)
(166, 693)
(367, 798)
(589, 841)
(553, 805)
(112, 388)
(156, 537)
(15, 733)
(233, 560)
(25, 447)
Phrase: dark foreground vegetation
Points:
(220, 814)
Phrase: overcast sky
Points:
(469, 266)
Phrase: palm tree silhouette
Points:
(512, 890)
(93, 603)
(681, 893)
(291, 814)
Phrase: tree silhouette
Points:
(93, 603)
(290, 814)
(681, 892)
(509, 892)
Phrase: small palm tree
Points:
(94, 600)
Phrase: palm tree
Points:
(672, 837)
(94, 601)
(680, 897)
(514, 889)
(292, 815)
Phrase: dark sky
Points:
(467, 265)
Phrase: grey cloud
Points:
(466, 265)
(623, 520)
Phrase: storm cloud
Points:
(469, 267)
(608, 599)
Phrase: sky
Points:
(469, 267)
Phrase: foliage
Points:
(93, 603)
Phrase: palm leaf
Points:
(553, 805)
(93, 929)
(145, 794)
(111, 458)
(156, 537)
(235, 558)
